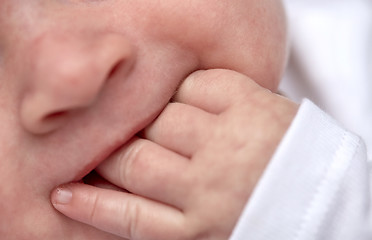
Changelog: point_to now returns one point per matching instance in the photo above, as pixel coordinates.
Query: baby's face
(78, 78)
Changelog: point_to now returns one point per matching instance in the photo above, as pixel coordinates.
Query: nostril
(52, 121)
(55, 115)
(44, 125)
(114, 69)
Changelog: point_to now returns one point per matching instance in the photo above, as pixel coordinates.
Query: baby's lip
(97, 160)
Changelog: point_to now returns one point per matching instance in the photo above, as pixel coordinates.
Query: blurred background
(330, 61)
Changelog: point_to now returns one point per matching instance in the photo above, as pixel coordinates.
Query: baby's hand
(195, 167)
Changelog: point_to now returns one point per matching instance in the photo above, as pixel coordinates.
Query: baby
(79, 79)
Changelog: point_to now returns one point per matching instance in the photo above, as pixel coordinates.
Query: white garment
(331, 60)
(314, 189)
(318, 184)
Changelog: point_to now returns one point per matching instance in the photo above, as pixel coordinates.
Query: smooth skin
(79, 78)
(193, 170)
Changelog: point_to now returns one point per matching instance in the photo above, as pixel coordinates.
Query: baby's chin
(55, 226)
(28, 215)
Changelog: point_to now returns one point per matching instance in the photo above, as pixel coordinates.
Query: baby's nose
(68, 73)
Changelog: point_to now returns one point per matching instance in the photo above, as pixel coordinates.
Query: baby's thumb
(88, 204)
(120, 213)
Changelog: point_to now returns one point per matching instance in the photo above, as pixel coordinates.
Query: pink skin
(80, 78)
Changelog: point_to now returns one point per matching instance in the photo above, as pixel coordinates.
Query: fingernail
(62, 196)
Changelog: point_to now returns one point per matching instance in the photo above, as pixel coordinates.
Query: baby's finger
(147, 169)
(120, 213)
(181, 128)
(215, 90)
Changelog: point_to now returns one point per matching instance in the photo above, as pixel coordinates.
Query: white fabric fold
(317, 185)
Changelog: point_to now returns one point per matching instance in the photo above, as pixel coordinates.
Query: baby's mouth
(87, 174)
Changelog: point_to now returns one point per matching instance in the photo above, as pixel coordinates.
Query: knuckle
(234, 83)
(131, 220)
(94, 209)
(168, 114)
(132, 163)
